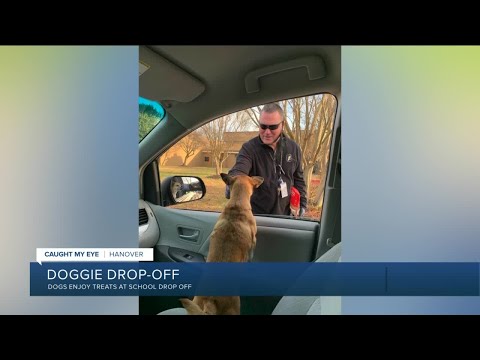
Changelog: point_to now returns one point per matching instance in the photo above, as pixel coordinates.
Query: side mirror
(182, 189)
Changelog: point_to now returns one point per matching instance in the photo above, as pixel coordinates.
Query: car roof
(197, 84)
(209, 81)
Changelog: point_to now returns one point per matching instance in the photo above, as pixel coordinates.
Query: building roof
(238, 138)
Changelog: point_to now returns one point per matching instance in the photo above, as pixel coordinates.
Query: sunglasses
(271, 127)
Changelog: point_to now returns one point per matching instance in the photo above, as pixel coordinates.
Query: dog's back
(233, 240)
(212, 305)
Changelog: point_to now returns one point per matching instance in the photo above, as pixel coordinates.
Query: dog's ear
(257, 181)
(227, 179)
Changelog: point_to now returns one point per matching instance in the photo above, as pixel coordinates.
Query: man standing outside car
(277, 159)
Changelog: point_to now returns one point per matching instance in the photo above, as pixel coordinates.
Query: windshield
(150, 113)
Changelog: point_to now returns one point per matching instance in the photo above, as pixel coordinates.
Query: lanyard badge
(282, 188)
(282, 185)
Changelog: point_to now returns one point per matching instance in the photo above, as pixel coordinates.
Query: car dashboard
(148, 230)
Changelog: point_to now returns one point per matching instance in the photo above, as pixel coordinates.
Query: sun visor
(163, 80)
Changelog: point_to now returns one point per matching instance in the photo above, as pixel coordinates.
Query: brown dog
(233, 240)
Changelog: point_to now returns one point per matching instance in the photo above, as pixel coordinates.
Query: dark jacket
(257, 159)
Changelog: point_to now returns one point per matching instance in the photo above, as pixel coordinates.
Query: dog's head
(242, 183)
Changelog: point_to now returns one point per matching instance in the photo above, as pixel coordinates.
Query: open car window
(213, 148)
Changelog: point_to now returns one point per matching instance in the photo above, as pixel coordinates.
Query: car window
(214, 147)
(149, 115)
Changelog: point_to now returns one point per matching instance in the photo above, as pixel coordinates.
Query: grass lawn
(214, 199)
(187, 170)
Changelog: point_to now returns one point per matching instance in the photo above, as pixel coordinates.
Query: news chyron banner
(132, 272)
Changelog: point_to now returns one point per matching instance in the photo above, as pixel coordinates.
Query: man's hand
(301, 212)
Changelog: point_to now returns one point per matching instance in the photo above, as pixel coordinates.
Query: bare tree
(327, 111)
(254, 115)
(218, 144)
(189, 144)
(166, 155)
(309, 123)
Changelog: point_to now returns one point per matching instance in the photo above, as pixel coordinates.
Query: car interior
(198, 84)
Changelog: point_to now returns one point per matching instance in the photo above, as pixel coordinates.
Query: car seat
(300, 305)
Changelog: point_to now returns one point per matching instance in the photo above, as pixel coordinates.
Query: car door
(184, 234)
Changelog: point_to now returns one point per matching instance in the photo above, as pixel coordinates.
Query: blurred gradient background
(69, 158)
(411, 164)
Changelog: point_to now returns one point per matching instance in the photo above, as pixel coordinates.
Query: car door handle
(190, 237)
(193, 234)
